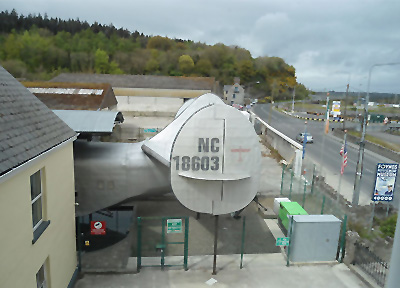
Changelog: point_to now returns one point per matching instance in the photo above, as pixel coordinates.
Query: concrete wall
(20, 259)
(153, 102)
(148, 106)
(289, 149)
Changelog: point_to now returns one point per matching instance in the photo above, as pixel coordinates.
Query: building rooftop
(141, 81)
(73, 96)
(27, 127)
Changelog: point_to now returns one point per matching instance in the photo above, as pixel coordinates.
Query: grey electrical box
(314, 238)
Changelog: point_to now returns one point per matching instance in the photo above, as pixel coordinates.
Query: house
(148, 95)
(37, 211)
(74, 96)
(234, 94)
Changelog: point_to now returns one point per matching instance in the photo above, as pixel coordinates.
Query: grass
(375, 140)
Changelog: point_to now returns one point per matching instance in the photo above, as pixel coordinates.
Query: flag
(343, 153)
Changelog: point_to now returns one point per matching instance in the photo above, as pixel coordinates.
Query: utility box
(277, 204)
(290, 208)
(314, 238)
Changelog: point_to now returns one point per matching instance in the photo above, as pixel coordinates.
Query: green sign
(174, 225)
(282, 241)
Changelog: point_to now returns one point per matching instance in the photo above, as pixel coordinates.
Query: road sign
(282, 241)
(174, 225)
(385, 181)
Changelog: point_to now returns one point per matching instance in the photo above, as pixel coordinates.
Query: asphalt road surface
(325, 152)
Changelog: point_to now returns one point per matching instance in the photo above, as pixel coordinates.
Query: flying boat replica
(208, 156)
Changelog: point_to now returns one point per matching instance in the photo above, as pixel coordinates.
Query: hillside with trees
(36, 47)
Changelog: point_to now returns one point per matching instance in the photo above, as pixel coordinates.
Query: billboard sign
(385, 181)
(335, 108)
(98, 227)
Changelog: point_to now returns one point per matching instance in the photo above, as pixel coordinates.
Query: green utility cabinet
(290, 208)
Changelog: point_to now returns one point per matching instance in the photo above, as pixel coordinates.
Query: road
(325, 152)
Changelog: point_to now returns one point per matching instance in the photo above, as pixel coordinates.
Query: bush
(388, 226)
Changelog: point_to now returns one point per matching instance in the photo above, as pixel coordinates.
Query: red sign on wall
(98, 227)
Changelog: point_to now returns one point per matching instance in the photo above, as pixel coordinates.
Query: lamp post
(359, 168)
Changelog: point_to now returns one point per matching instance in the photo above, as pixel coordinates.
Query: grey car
(300, 138)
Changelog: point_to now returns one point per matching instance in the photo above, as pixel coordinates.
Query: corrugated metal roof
(66, 91)
(73, 96)
(83, 121)
(27, 127)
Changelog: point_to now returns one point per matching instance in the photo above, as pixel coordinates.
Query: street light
(357, 181)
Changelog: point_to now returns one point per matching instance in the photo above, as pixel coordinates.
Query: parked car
(300, 138)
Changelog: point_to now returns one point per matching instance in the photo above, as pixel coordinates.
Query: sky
(330, 43)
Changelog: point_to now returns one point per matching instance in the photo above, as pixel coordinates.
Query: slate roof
(27, 127)
(142, 81)
(73, 96)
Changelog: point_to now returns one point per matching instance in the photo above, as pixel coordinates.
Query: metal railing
(370, 263)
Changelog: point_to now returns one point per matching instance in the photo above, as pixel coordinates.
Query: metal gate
(169, 225)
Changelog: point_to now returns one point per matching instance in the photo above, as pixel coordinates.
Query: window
(38, 223)
(236, 89)
(232, 102)
(233, 96)
(41, 277)
(36, 199)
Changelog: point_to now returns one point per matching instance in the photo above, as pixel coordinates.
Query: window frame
(43, 284)
(39, 197)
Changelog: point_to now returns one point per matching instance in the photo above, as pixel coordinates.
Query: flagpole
(341, 167)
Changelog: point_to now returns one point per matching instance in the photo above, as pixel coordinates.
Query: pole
(313, 180)
(371, 224)
(215, 245)
(290, 240)
(294, 89)
(341, 169)
(304, 139)
(345, 107)
(185, 248)
(393, 279)
(357, 181)
(327, 115)
(272, 102)
(242, 247)
(304, 193)
(291, 185)
(78, 226)
(283, 175)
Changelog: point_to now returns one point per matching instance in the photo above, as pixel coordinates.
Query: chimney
(236, 80)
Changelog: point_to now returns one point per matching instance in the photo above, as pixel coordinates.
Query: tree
(246, 70)
(186, 64)
(160, 43)
(203, 67)
(101, 61)
(152, 66)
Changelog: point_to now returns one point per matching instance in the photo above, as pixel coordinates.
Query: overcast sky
(329, 42)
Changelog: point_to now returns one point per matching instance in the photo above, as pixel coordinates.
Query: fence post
(283, 174)
(323, 204)
(291, 184)
(242, 247)
(343, 241)
(290, 241)
(139, 244)
(186, 249)
(304, 193)
(313, 180)
(163, 222)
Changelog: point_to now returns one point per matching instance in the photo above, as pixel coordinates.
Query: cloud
(326, 41)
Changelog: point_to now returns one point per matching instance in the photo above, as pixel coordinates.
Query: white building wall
(20, 259)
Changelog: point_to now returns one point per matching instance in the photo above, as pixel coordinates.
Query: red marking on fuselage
(240, 150)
